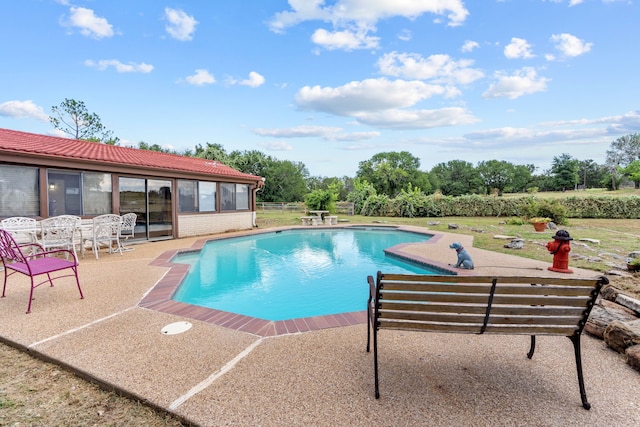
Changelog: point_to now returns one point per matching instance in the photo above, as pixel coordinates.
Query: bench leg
(368, 325)
(532, 349)
(575, 339)
(375, 361)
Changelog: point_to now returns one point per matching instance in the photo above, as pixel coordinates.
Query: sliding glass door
(150, 200)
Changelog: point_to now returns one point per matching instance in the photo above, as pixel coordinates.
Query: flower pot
(540, 226)
(633, 267)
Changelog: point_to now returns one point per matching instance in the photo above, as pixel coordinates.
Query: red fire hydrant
(560, 248)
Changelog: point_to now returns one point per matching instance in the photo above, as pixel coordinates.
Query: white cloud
(383, 103)
(23, 110)
(355, 136)
(89, 24)
(624, 124)
(405, 35)
(298, 131)
(507, 137)
(469, 45)
(523, 82)
(417, 119)
(254, 80)
(324, 132)
(276, 146)
(353, 20)
(343, 12)
(181, 26)
(570, 45)
(367, 95)
(439, 68)
(200, 78)
(120, 67)
(346, 40)
(518, 48)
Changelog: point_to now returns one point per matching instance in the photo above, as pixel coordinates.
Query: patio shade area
(211, 375)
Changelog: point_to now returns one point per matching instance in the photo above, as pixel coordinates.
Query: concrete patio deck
(212, 375)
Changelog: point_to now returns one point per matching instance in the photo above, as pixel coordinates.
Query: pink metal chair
(40, 262)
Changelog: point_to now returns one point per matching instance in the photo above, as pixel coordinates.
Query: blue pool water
(293, 273)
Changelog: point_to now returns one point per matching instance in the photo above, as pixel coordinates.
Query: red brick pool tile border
(159, 299)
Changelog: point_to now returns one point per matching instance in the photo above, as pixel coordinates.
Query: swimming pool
(293, 273)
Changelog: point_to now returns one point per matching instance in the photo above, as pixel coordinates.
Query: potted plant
(633, 264)
(539, 222)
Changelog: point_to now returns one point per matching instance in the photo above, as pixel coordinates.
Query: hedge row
(420, 205)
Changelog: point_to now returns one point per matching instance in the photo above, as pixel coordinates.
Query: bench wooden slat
(477, 318)
(480, 299)
(471, 328)
(476, 309)
(488, 279)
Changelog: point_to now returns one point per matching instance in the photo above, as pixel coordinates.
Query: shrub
(554, 210)
(515, 221)
(362, 190)
(377, 205)
(409, 203)
(321, 200)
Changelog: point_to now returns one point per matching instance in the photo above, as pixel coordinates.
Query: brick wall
(200, 225)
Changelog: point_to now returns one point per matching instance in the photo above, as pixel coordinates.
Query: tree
(455, 178)
(496, 174)
(73, 118)
(253, 162)
(632, 171)
(622, 151)
(212, 152)
(522, 177)
(591, 173)
(155, 147)
(390, 172)
(564, 169)
(284, 182)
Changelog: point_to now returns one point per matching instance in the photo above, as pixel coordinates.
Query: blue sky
(331, 83)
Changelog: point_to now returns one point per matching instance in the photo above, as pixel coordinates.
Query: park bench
(482, 305)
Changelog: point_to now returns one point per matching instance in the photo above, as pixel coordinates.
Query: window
(19, 191)
(187, 196)
(97, 190)
(234, 196)
(207, 196)
(78, 193)
(196, 196)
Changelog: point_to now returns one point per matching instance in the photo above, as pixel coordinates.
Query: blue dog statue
(464, 259)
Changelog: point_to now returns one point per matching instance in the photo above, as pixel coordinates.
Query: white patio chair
(127, 229)
(106, 232)
(22, 229)
(62, 231)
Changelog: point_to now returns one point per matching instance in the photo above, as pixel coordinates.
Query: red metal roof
(12, 141)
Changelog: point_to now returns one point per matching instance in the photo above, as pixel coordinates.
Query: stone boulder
(622, 335)
(515, 244)
(633, 356)
(609, 292)
(605, 312)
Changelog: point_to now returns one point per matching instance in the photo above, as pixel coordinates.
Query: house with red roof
(173, 196)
